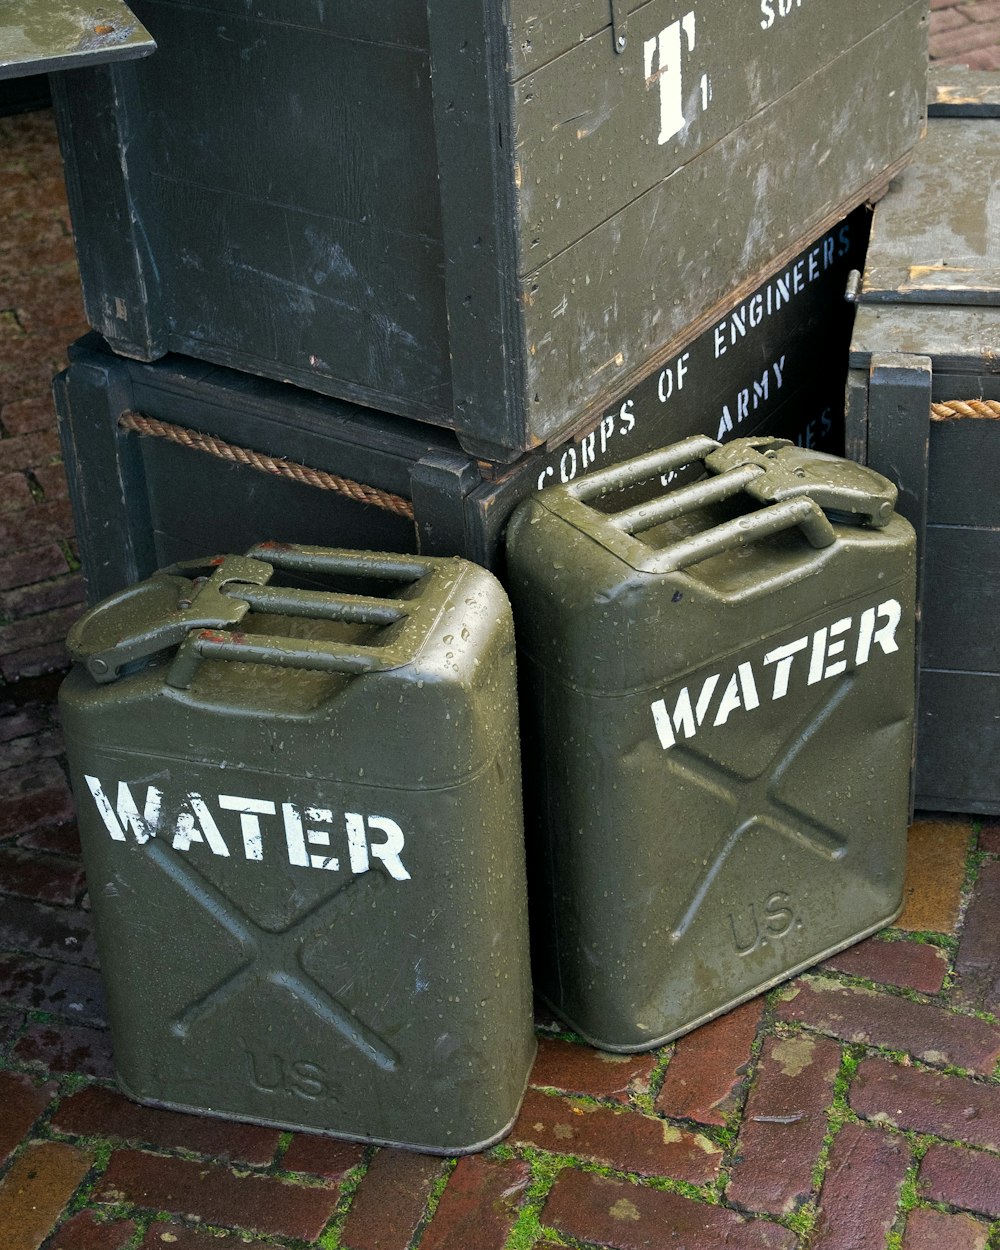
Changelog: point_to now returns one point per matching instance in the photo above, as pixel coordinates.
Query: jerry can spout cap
(845, 491)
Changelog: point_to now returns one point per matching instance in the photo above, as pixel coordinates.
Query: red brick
(934, 1230)
(171, 1236)
(928, 1102)
(479, 1205)
(626, 1140)
(34, 1192)
(47, 297)
(861, 1189)
(11, 1023)
(47, 878)
(945, 20)
(390, 1201)
(962, 1178)
(25, 451)
(52, 479)
(784, 1124)
(65, 839)
(23, 1101)
(959, 42)
(103, 1112)
(67, 1048)
(25, 566)
(612, 1213)
(34, 661)
(989, 837)
(30, 366)
(861, 1015)
(52, 932)
(33, 631)
(33, 795)
(43, 596)
(86, 1231)
(912, 965)
(978, 960)
(23, 722)
(216, 1195)
(707, 1067)
(29, 415)
(322, 1156)
(578, 1069)
(14, 491)
(57, 988)
(45, 745)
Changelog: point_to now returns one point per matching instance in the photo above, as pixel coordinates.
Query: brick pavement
(858, 1107)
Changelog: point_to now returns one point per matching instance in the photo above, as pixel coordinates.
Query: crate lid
(40, 36)
(936, 234)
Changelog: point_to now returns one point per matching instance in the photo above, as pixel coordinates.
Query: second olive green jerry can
(717, 690)
(298, 788)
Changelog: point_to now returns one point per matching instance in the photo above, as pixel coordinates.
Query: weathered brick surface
(911, 965)
(33, 795)
(88, 1231)
(321, 1156)
(961, 1178)
(168, 1235)
(48, 878)
(632, 1217)
(952, 1107)
(66, 1048)
(707, 1067)
(216, 1195)
(626, 1141)
(784, 1124)
(936, 1230)
(36, 1189)
(22, 1101)
(67, 990)
(978, 960)
(931, 1033)
(479, 1205)
(861, 1189)
(53, 932)
(391, 1200)
(989, 837)
(582, 1070)
(103, 1112)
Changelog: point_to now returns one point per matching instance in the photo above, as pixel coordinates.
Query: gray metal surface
(41, 36)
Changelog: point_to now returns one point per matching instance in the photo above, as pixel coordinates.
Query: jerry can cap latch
(193, 607)
(844, 490)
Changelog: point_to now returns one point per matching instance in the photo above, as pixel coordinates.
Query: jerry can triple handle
(804, 513)
(642, 468)
(279, 652)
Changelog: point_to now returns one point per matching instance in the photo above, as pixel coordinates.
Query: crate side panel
(599, 310)
(958, 742)
(596, 130)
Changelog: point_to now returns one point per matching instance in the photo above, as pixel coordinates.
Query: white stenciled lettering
(125, 815)
(826, 658)
(663, 57)
(197, 824)
(685, 718)
(298, 838)
(868, 635)
(772, 9)
(751, 398)
(250, 811)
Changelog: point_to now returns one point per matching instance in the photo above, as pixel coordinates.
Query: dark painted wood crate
(775, 362)
(927, 334)
(496, 218)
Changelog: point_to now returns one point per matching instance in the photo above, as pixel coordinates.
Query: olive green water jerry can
(717, 690)
(301, 821)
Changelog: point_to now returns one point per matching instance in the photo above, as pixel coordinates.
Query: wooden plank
(545, 29)
(964, 468)
(958, 742)
(954, 91)
(936, 236)
(601, 311)
(961, 602)
(958, 339)
(899, 399)
(595, 130)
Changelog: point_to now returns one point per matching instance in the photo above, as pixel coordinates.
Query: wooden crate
(928, 334)
(495, 218)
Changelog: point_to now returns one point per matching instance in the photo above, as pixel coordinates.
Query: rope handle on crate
(358, 491)
(985, 409)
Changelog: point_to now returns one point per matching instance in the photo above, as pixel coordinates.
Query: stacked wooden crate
(495, 243)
